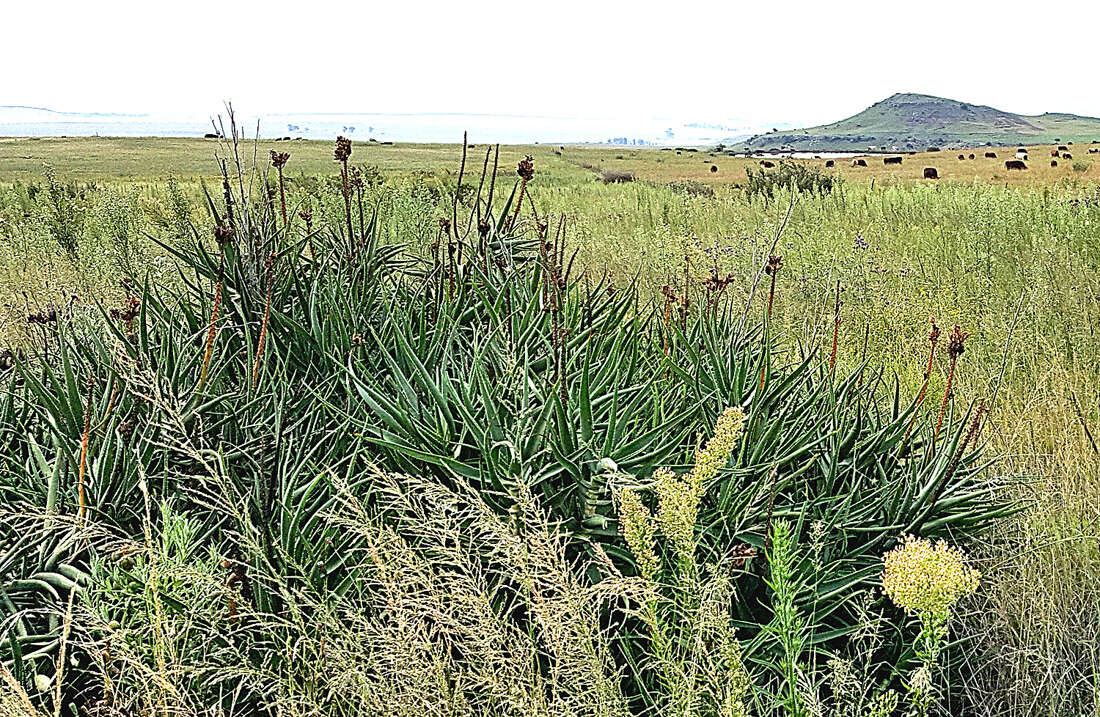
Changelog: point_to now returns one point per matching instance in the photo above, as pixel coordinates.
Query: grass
(1011, 258)
(143, 159)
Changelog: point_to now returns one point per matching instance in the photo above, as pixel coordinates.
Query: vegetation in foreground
(221, 463)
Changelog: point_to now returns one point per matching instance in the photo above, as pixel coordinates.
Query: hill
(913, 122)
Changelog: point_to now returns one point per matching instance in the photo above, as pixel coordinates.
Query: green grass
(1016, 267)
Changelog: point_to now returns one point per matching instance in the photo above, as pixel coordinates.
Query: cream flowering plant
(692, 643)
(927, 579)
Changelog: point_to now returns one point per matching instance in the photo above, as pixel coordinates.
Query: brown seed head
(223, 234)
(343, 149)
(955, 348)
(279, 159)
(356, 178)
(934, 334)
(526, 168)
(775, 263)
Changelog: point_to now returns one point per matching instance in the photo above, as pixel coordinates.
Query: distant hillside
(915, 122)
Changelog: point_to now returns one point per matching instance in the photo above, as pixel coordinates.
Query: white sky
(801, 62)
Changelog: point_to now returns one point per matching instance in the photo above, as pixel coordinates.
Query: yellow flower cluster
(677, 507)
(927, 578)
(727, 429)
(637, 526)
(678, 498)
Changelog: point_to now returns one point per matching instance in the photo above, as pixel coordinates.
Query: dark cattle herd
(1017, 164)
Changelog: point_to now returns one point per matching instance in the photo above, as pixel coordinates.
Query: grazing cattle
(1054, 162)
(962, 157)
(211, 135)
(991, 155)
(1053, 153)
(1015, 164)
(971, 155)
(1067, 155)
(891, 160)
(1093, 150)
(714, 168)
(1021, 155)
(1062, 148)
(766, 164)
(859, 162)
(931, 173)
(829, 163)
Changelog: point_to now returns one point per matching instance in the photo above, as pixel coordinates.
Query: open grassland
(1010, 257)
(110, 159)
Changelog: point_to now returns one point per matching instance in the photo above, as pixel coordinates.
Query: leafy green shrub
(787, 175)
(1080, 166)
(64, 212)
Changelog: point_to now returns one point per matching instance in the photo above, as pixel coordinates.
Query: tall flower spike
(708, 461)
(638, 531)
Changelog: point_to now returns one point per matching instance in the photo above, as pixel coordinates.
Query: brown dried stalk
(836, 329)
(341, 154)
(933, 338)
(279, 160)
(955, 348)
(971, 435)
(210, 335)
(84, 453)
(775, 263)
(269, 266)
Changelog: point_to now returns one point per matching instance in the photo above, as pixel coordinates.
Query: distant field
(104, 159)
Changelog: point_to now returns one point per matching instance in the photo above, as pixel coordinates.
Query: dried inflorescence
(956, 343)
(775, 263)
(43, 316)
(279, 159)
(342, 152)
(526, 168)
(223, 234)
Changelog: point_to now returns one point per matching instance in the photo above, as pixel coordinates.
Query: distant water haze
(426, 127)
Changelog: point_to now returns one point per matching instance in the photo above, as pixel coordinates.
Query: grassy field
(137, 159)
(1010, 257)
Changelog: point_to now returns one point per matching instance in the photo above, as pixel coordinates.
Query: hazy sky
(761, 61)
